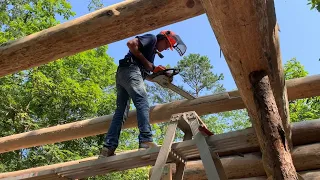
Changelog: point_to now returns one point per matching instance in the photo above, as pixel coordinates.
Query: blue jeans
(129, 83)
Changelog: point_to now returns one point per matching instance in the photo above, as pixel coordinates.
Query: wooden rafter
(305, 158)
(233, 165)
(105, 26)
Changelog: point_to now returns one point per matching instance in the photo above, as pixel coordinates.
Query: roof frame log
(104, 26)
(247, 34)
(297, 88)
(233, 165)
(309, 174)
(302, 155)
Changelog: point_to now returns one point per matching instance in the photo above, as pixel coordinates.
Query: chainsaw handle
(163, 72)
(175, 71)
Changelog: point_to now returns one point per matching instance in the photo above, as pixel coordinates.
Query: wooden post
(270, 131)
(245, 31)
(276, 74)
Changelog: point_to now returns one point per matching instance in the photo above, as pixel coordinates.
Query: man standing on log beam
(130, 76)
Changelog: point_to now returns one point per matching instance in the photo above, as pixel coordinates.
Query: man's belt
(127, 62)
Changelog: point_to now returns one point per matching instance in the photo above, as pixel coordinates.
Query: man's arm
(133, 45)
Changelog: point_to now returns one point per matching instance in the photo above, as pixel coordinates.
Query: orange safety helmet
(175, 41)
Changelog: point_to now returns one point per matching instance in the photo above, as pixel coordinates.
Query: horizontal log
(104, 26)
(307, 175)
(306, 157)
(245, 141)
(302, 88)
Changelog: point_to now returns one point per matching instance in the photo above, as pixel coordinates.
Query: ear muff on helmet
(160, 37)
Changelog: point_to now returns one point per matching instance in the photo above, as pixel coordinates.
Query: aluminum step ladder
(193, 127)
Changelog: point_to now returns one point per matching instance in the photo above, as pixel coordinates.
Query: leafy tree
(66, 90)
(301, 109)
(95, 5)
(196, 71)
(294, 69)
(23, 17)
(315, 4)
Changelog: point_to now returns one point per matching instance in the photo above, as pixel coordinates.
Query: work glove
(159, 68)
(162, 68)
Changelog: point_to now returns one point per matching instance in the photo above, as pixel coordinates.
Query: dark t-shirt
(147, 48)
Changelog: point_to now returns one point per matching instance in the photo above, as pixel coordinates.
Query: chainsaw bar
(180, 91)
(165, 82)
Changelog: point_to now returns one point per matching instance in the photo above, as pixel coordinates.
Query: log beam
(245, 31)
(307, 175)
(297, 88)
(104, 26)
(304, 158)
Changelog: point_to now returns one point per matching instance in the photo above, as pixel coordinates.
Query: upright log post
(269, 128)
(245, 31)
(276, 73)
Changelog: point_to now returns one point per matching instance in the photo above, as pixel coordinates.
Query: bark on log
(104, 26)
(270, 131)
(297, 88)
(305, 158)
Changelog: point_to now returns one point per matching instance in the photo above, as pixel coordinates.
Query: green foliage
(315, 4)
(196, 71)
(66, 90)
(301, 109)
(234, 120)
(75, 88)
(132, 174)
(294, 69)
(95, 5)
(23, 17)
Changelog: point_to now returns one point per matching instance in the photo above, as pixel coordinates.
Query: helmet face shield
(180, 47)
(175, 42)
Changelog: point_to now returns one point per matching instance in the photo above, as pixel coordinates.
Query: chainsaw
(164, 79)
